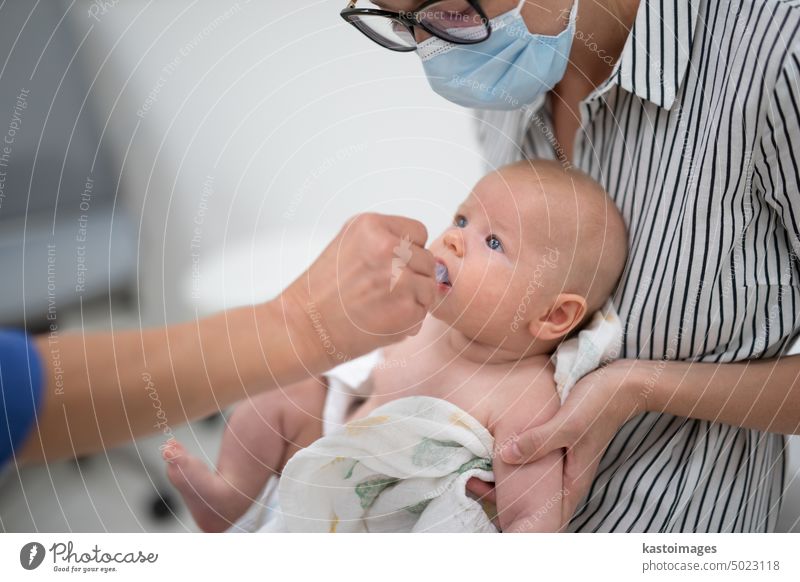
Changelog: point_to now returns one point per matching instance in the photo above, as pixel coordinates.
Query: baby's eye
(460, 221)
(494, 243)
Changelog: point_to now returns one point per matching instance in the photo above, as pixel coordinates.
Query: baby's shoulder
(528, 391)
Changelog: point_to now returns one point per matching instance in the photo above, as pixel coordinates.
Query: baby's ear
(567, 312)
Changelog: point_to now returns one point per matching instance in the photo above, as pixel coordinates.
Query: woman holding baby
(692, 126)
(683, 432)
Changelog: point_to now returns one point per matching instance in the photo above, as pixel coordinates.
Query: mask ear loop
(433, 46)
(573, 14)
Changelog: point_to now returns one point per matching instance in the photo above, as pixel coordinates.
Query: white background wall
(296, 119)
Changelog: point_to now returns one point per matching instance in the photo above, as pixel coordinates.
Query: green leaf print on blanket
(476, 463)
(418, 508)
(369, 490)
(431, 452)
(350, 470)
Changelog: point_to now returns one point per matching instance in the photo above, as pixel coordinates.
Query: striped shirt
(695, 135)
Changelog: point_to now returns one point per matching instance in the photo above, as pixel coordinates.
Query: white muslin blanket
(403, 468)
(386, 451)
(598, 342)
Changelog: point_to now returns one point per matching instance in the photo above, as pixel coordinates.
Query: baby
(531, 254)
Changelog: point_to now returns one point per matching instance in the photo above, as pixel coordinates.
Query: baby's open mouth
(442, 275)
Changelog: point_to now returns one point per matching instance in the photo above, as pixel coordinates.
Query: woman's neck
(601, 32)
(602, 28)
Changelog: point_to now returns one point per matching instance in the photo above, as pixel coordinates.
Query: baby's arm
(529, 497)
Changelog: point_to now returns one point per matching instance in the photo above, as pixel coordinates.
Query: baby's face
(502, 267)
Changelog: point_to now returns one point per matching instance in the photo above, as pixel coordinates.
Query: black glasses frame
(409, 20)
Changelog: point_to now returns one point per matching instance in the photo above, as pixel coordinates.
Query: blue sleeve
(20, 390)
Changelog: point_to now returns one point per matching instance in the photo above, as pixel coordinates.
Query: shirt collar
(656, 55)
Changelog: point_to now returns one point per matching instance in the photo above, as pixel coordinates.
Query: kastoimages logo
(31, 555)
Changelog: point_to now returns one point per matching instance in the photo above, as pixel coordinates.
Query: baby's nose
(454, 241)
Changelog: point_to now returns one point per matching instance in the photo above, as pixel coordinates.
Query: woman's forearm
(102, 389)
(759, 394)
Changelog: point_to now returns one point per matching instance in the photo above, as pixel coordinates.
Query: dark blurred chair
(61, 236)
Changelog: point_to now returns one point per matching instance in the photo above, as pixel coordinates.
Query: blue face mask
(509, 70)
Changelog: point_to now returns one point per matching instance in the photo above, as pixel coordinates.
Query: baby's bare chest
(480, 390)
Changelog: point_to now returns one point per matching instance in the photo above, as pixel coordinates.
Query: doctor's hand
(372, 286)
(595, 409)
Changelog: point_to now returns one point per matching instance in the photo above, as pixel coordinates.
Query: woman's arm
(102, 389)
(759, 394)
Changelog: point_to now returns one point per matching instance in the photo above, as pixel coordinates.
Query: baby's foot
(211, 500)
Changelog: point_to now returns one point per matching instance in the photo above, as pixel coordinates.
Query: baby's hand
(482, 490)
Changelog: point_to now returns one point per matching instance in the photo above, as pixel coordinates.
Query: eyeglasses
(456, 21)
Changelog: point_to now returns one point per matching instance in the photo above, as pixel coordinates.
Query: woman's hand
(372, 286)
(598, 405)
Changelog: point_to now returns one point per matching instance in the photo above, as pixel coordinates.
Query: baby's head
(533, 252)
